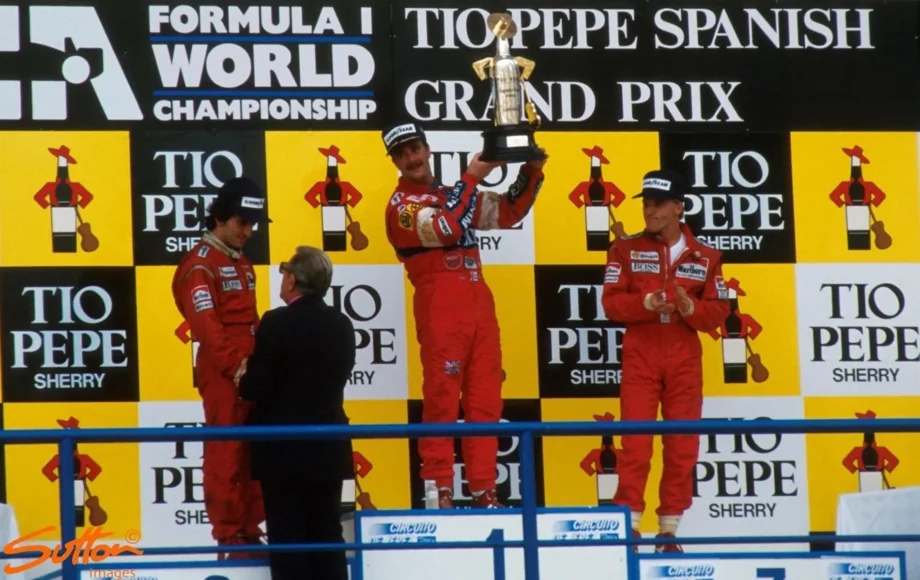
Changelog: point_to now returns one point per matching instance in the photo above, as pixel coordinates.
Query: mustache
(414, 166)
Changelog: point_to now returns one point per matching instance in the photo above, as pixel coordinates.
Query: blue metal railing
(526, 431)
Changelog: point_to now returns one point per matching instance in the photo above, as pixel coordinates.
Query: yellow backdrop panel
(117, 485)
(827, 476)
(294, 167)
(385, 472)
(99, 163)
(821, 169)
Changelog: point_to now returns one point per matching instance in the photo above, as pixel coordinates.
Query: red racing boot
(241, 540)
(445, 498)
(487, 499)
(637, 535)
(668, 548)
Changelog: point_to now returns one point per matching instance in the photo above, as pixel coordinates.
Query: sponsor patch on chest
(251, 280)
(231, 285)
(228, 271)
(644, 256)
(612, 274)
(645, 268)
(691, 272)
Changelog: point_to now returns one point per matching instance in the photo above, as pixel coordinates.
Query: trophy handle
(480, 67)
(530, 109)
(527, 66)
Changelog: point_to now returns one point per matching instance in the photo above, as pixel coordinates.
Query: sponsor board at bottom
(774, 566)
(602, 524)
(253, 570)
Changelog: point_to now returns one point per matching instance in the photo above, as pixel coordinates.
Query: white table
(892, 511)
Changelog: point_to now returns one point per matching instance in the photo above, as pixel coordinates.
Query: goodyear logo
(694, 572)
(854, 571)
(586, 530)
(404, 533)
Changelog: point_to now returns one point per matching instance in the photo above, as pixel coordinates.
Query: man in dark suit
(304, 354)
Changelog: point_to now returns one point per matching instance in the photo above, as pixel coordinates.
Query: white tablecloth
(9, 531)
(892, 511)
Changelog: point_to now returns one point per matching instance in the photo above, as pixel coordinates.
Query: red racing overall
(214, 289)
(662, 356)
(431, 229)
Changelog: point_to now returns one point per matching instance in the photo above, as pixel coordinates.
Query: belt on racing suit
(443, 266)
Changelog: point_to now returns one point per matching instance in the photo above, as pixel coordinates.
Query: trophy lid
(502, 25)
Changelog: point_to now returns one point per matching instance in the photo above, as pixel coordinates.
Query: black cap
(663, 184)
(398, 133)
(246, 199)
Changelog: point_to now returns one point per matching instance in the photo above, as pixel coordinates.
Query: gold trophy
(510, 139)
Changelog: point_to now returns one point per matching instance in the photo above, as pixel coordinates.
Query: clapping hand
(659, 304)
(684, 303)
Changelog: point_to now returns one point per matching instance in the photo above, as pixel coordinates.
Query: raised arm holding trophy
(510, 139)
(434, 236)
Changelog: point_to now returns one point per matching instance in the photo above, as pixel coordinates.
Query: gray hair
(312, 270)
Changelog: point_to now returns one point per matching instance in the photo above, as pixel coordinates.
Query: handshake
(657, 301)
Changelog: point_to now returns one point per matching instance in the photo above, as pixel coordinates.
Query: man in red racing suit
(214, 290)
(430, 226)
(666, 287)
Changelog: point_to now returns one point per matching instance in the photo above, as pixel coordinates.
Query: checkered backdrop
(814, 207)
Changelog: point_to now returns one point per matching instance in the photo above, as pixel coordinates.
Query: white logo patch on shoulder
(612, 275)
(201, 298)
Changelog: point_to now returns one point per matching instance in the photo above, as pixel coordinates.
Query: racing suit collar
(209, 238)
(692, 244)
(412, 187)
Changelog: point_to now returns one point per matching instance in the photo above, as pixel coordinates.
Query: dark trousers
(304, 512)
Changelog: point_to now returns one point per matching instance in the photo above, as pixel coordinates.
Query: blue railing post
(529, 507)
(66, 468)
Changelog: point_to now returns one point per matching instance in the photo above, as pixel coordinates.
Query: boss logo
(645, 268)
